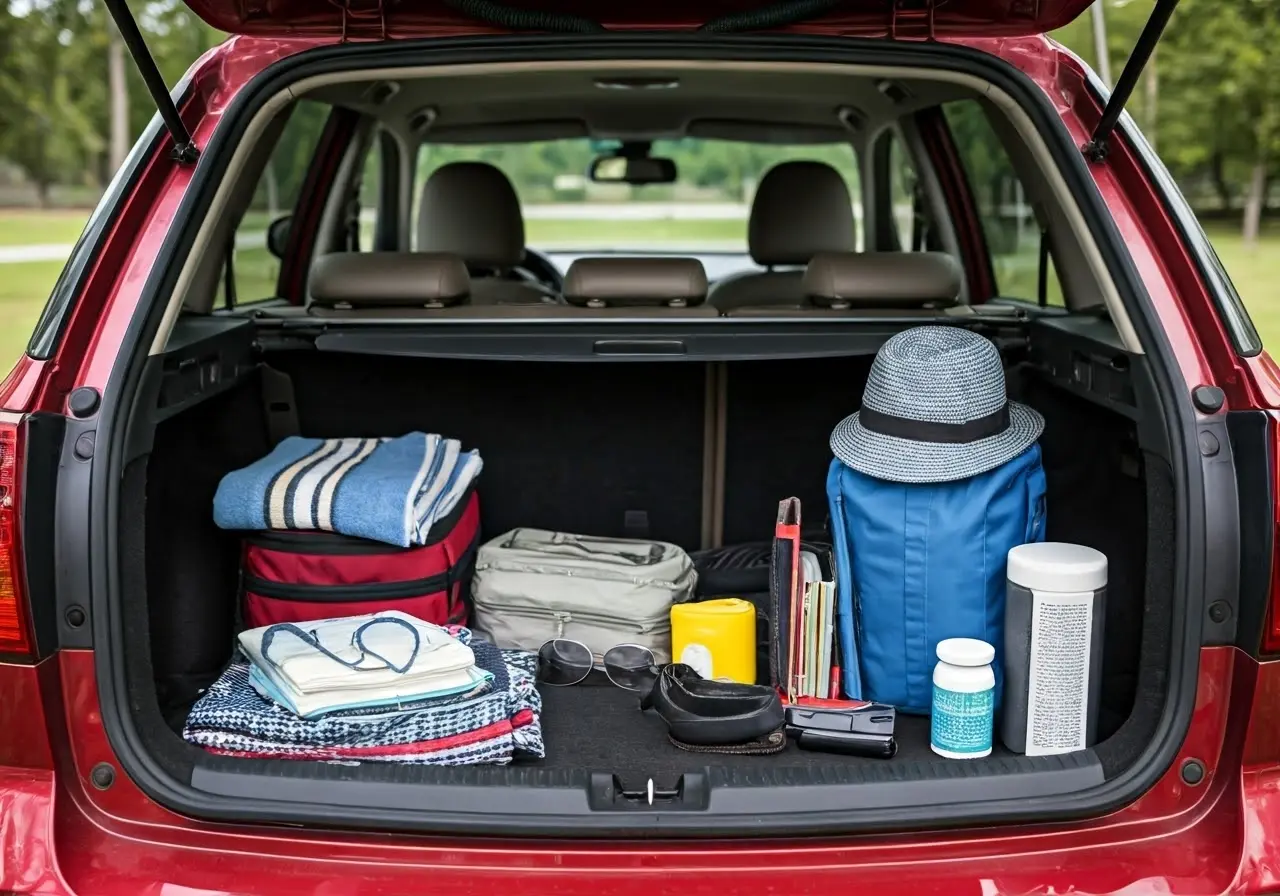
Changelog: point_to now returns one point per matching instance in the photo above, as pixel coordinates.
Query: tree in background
(49, 132)
(1228, 119)
(56, 95)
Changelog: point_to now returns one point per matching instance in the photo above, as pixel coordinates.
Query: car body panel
(63, 834)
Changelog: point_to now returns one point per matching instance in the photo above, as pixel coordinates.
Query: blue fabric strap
(357, 641)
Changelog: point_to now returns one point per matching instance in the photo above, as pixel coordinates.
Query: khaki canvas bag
(532, 585)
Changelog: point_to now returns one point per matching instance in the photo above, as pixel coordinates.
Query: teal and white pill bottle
(964, 690)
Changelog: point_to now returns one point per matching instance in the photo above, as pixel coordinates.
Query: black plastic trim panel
(722, 340)
(1169, 403)
(72, 514)
(40, 490)
(204, 356)
(1084, 356)
(1222, 521)
(1255, 493)
(724, 800)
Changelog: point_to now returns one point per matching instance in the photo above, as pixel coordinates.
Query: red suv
(263, 264)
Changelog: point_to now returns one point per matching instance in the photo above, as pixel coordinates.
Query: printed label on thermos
(1058, 675)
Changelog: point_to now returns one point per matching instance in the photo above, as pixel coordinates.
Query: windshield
(704, 211)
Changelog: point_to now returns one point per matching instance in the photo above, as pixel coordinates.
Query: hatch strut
(184, 148)
(1096, 149)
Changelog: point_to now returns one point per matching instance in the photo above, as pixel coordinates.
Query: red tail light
(15, 635)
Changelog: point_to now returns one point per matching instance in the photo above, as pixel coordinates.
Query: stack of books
(814, 668)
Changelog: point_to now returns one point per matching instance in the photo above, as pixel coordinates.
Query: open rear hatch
(380, 19)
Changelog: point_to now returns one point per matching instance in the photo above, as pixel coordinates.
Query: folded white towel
(359, 658)
(390, 697)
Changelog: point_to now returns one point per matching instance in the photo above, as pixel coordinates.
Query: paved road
(60, 251)
(38, 252)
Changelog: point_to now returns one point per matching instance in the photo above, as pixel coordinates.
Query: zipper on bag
(561, 618)
(338, 593)
(407, 588)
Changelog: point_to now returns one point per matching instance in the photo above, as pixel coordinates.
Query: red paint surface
(418, 18)
(60, 834)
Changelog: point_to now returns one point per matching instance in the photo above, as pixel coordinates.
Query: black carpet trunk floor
(598, 727)
(601, 728)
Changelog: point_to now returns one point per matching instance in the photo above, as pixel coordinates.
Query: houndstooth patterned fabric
(941, 375)
(499, 724)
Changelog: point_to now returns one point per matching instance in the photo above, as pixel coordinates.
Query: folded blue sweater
(389, 490)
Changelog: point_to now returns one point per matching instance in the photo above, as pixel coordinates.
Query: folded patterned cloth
(493, 727)
(358, 662)
(389, 490)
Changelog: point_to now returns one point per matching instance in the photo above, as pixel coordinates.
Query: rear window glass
(704, 210)
(255, 269)
(1009, 224)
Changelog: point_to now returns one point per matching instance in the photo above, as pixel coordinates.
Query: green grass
(257, 271)
(1256, 275)
(25, 287)
(592, 234)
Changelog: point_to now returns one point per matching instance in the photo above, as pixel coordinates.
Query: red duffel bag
(303, 576)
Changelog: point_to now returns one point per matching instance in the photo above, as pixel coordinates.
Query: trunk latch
(691, 793)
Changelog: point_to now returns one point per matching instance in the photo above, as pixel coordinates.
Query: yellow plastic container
(717, 638)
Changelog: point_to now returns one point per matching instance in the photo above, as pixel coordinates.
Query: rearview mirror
(278, 235)
(637, 171)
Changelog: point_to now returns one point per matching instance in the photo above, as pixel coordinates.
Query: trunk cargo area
(586, 448)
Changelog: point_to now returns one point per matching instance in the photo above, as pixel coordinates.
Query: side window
(905, 222)
(254, 268)
(1009, 224)
(371, 219)
(903, 187)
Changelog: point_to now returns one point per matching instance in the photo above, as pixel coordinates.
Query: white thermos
(1053, 625)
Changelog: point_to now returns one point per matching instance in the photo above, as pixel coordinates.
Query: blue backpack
(918, 563)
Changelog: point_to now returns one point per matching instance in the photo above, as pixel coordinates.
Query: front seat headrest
(635, 282)
(388, 280)
(882, 279)
(800, 209)
(471, 210)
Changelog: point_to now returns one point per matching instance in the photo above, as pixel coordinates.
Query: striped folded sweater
(388, 490)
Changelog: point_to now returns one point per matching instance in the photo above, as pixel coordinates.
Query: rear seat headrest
(621, 282)
(389, 279)
(471, 209)
(800, 208)
(882, 279)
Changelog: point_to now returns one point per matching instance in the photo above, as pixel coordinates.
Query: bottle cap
(965, 652)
